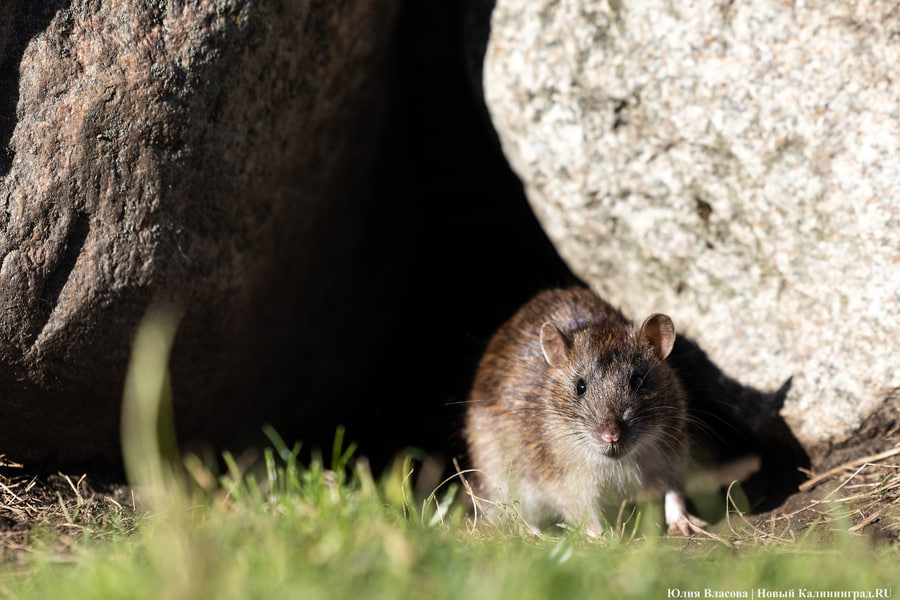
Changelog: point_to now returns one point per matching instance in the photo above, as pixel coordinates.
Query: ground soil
(861, 494)
(38, 502)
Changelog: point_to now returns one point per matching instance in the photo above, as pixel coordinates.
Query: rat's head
(612, 386)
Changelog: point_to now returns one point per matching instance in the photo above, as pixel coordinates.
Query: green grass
(329, 529)
(315, 532)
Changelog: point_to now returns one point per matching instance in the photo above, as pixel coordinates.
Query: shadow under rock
(730, 421)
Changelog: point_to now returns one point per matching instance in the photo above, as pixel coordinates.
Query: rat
(573, 410)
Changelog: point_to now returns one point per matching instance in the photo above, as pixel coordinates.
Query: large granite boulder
(734, 164)
(214, 154)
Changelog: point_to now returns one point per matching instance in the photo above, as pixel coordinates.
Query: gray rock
(210, 153)
(734, 164)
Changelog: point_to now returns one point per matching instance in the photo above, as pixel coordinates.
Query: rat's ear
(659, 332)
(554, 345)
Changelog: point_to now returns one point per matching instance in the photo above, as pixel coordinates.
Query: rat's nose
(609, 434)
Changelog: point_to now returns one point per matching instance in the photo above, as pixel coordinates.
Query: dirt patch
(35, 502)
(860, 494)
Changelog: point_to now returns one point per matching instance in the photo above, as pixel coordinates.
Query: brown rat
(573, 409)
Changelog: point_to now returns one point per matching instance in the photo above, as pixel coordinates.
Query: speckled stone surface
(734, 164)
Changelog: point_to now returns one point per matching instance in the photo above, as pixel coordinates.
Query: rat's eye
(637, 378)
(580, 387)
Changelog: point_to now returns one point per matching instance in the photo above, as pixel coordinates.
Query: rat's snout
(609, 432)
(609, 435)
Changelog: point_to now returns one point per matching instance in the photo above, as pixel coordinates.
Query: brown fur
(557, 454)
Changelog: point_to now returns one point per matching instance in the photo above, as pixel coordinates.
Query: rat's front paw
(685, 524)
(677, 517)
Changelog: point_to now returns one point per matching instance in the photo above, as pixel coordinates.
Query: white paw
(677, 517)
(685, 524)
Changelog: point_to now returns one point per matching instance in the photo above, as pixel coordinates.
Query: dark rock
(214, 154)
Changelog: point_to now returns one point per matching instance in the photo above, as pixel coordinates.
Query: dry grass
(860, 495)
(871, 486)
(63, 506)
